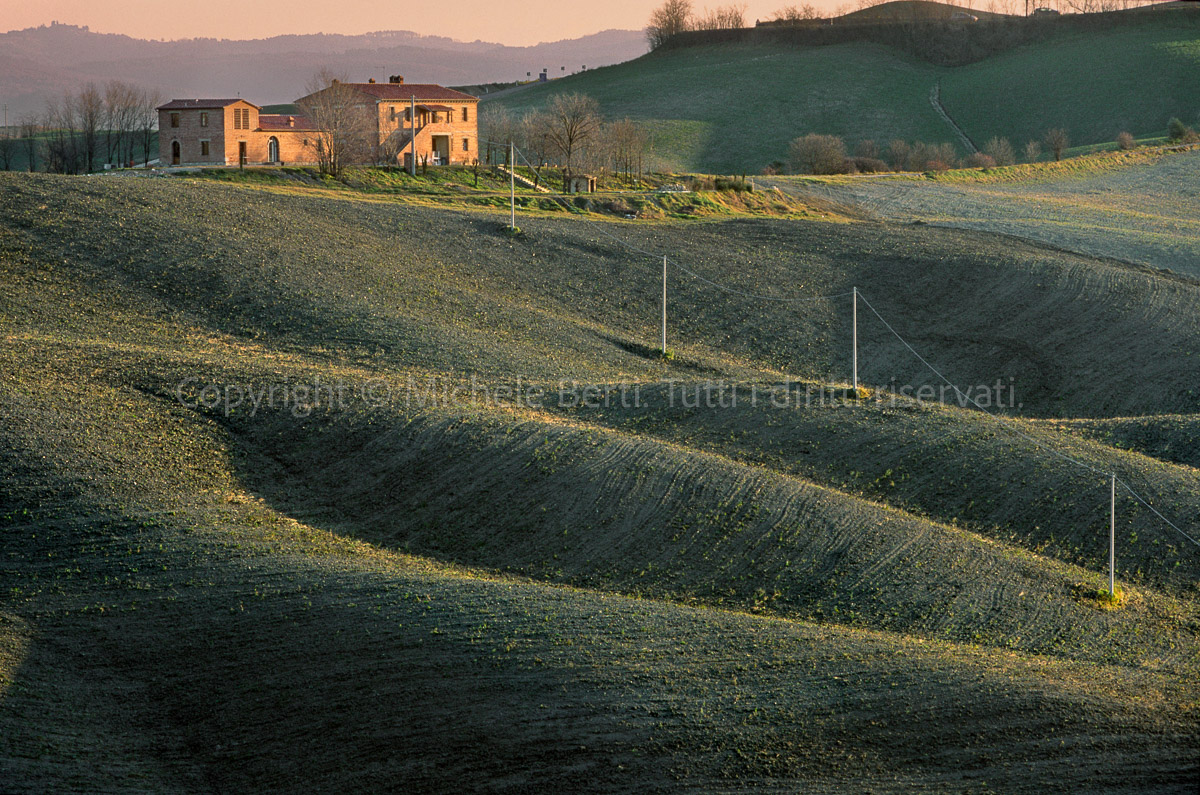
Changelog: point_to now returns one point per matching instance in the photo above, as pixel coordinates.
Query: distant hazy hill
(37, 63)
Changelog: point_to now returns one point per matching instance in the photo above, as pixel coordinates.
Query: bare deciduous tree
(30, 127)
(498, 128)
(796, 14)
(866, 148)
(1000, 151)
(979, 160)
(63, 155)
(817, 154)
(120, 120)
(1033, 151)
(340, 121)
(1104, 6)
(146, 120)
(722, 18)
(628, 140)
(572, 121)
(935, 157)
(8, 151)
(1057, 140)
(898, 153)
(673, 16)
(534, 134)
(90, 109)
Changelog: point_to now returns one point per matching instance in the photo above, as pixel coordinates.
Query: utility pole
(1112, 541)
(854, 342)
(412, 144)
(512, 183)
(664, 309)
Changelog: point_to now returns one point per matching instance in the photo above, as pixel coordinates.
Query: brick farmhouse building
(233, 131)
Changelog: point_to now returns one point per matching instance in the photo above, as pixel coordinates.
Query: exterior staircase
(506, 171)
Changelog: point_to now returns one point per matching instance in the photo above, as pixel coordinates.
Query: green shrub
(731, 184)
(1176, 130)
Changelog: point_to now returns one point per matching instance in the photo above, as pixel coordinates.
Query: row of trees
(1009, 7)
(827, 154)
(81, 130)
(796, 14)
(570, 133)
(677, 16)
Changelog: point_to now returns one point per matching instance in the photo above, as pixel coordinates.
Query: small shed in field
(582, 183)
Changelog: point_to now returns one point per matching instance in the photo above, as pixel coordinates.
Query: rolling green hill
(355, 580)
(729, 108)
(733, 108)
(1094, 85)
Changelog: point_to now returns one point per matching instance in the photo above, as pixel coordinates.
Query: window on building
(436, 117)
(393, 113)
(464, 114)
(203, 119)
(408, 114)
(204, 148)
(174, 119)
(466, 145)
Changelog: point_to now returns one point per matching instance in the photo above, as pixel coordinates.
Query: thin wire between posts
(1155, 511)
(658, 255)
(859, 295)
(1012, 428)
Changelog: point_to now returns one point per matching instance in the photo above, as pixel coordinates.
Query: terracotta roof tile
(422, 91)
(279, 121)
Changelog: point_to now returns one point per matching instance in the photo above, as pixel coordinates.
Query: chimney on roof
(397, 80)
(371, 80)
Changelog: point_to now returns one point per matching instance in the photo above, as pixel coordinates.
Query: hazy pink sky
(516, 22)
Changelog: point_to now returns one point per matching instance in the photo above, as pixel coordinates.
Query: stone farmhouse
(447, 121)
(198, 132)
(230, 132)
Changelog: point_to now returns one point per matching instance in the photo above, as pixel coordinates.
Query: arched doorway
(273, 149)
(174, 153)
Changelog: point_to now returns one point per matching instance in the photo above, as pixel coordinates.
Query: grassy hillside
(1139, 207)
(1096, 85)
(734, 107)
(480, 595)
